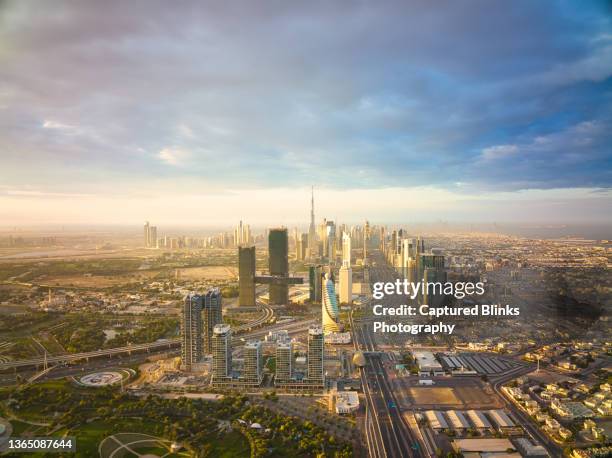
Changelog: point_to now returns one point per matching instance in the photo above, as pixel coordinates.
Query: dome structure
(359, 359)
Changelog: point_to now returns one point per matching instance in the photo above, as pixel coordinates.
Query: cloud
(579, 153)
(498, 151)
(48, 124)
(377, 96)
(173, 156)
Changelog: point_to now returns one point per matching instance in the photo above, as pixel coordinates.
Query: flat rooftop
(426, 359)
(482, 445)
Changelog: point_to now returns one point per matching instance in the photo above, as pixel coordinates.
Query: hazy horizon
(525, 229)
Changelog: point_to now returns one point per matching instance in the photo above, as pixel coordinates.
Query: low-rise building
(346, 401)
(482, 446)
(529, 450)
(571, 410)
(427, 363)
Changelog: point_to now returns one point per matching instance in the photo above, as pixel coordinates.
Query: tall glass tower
(278, 259)
(329, 305)
(246, 276)
(191, 331)
(211, 314)
(316, 349)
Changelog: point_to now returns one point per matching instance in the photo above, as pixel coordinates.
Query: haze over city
(306, 229)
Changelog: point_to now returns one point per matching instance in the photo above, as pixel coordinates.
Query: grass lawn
(233, 445)
(89, 436)
(20, 428)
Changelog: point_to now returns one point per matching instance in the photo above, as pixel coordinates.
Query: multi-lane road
(387, 431)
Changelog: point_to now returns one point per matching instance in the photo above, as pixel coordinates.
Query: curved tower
(329, 305)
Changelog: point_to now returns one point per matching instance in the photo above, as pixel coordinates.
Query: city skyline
(322, 229)
(374, 109)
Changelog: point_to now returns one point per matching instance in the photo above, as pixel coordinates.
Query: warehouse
(436, 420)
(500, 418)
(457, 420)
(478, 419)
(492, 446)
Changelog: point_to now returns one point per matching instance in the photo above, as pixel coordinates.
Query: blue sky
(478, 110)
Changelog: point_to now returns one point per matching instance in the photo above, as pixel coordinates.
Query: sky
(210, 112)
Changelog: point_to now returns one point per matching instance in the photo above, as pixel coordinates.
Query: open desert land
(209, 273)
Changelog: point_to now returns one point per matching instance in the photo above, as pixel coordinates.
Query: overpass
(158, 345)
(265, 317)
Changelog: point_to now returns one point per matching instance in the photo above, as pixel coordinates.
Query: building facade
(222, 354)
(211, 315)
(284, 362)
(278, 263)
(246, 276)
(316, 352)
(191, 331)
(252, 373)
(329, 305)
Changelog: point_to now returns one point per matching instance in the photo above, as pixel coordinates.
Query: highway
(384, 273)
(266, 316)
(387, 431)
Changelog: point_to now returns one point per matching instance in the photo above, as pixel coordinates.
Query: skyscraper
(212, 314)
(346, 284)
(147, 235)
(410, 270)
(246, 237)
(366, 238)
(429, 261)
(329, 305)
(407, 254)
(346, 249)
(252, 373)
(315, 274)
(302, 247)
(153, 237)
(278, 260)
(296, 243)
(242, 234)
(316, 350)
(222, 353)
(284, 362)
(246, 276)
(191, 331)
(330, 242)
(312, 232)
(433, 294)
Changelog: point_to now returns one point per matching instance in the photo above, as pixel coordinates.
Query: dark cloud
(366, 94)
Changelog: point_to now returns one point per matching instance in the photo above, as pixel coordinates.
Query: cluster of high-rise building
(150, 236)
(321, 246)
(277, 278)
(410, 259)
(242, 234)
(200, 314)
(251, 376)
